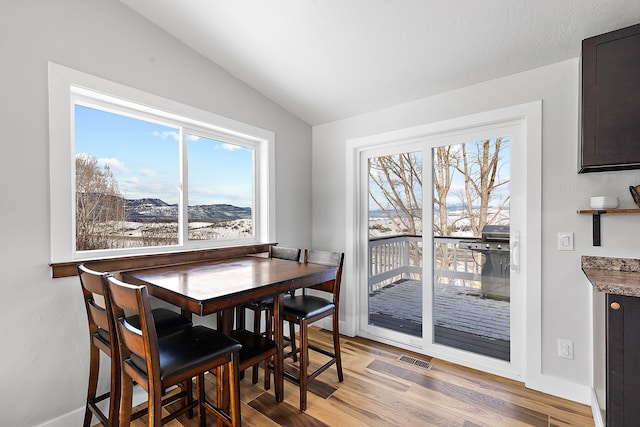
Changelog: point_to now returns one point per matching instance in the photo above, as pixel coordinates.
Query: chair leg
(115, 392)
(257, 314)
(269, 335)
(126, 396)
(234, 391)
(189, 397)
(219, 388)
(94, 371)
(267, 374)
(336, 346)
(292, 334)
(200, 395)
(155, 405)
(304, 364)
(240, 319)
(268, 327)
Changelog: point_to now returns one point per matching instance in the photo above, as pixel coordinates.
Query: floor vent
(415, 362)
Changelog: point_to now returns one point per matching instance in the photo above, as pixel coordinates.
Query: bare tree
(397, 189)
(480, 168)
(397, 186)
(100, 207)
(445, 163)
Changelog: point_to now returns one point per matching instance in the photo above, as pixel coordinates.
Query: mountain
(156, 210)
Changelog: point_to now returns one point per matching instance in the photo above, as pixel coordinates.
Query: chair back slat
(98, 315)
(132, 338)
(290, 254)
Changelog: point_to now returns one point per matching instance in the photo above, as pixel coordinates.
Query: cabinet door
(611, 101)
(623, 360)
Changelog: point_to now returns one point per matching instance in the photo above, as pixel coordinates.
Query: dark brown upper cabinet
(611, 101)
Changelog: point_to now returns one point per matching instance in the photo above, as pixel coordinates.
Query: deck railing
(395, 258)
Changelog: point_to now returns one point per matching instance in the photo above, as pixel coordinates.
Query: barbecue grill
(492, 251)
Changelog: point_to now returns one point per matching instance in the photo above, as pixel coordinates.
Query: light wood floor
(380, 390)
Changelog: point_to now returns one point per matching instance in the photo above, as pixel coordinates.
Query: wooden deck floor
(380, 390)
(462, 319)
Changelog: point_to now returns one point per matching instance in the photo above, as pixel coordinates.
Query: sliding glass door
(441, 226)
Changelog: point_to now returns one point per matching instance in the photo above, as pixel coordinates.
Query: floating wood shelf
(608, 211)
(596, 219)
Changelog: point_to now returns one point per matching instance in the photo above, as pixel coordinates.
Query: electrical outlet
(565, 349)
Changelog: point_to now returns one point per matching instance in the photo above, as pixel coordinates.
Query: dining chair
(258, 307)
(102, 337)
(304, 309)
(157, 364)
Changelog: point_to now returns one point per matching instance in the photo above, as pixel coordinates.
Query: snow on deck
(455, 307)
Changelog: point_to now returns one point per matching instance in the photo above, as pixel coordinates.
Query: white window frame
(68, 86)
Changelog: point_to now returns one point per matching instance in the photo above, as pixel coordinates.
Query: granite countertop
(620, 276)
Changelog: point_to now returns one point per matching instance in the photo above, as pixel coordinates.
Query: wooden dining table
(218, 286)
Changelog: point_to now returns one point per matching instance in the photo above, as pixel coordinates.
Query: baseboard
(595, 409)
(73, 418)
(327, 323)
(76, 417)
(561, 388)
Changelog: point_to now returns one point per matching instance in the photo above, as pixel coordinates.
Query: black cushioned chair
(102, 335)
(303, 309)
(156, 364)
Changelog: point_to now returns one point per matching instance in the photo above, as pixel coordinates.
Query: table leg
(278, 333)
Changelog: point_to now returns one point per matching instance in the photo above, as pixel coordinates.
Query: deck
(462, 318)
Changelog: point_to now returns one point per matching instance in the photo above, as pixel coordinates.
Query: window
(133, 173)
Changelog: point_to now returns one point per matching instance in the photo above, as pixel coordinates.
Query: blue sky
(143, 157)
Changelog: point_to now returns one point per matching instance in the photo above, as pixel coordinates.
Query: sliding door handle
(515, 251)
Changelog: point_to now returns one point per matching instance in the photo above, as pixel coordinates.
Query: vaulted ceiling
(325, 60)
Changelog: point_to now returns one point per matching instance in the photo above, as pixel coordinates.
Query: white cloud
(166, 134)
(113, 163)
(174, 135)
(150, 173)
(230, 147)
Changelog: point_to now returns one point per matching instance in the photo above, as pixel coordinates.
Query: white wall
(566, 293)
(44, 355)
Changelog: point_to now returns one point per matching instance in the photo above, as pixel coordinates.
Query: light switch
(565, 241)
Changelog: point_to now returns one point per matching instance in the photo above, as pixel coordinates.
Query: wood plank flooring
(380, 390)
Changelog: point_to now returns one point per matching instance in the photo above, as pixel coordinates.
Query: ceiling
(325, 60)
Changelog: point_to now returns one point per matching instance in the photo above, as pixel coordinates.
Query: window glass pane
(220, 192)
(126, 181)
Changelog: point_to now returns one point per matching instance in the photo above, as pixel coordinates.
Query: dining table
(219, 286)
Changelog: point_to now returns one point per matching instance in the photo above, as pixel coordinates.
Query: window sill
(68, 269)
